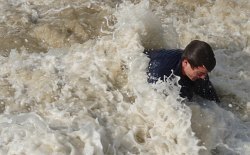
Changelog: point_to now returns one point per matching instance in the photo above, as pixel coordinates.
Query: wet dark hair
(199, 53)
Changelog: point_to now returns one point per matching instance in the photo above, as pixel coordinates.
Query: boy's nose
(202, 76)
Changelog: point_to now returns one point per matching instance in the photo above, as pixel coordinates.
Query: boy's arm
(205, 89)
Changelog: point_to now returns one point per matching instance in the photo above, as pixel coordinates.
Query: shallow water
(73, 77)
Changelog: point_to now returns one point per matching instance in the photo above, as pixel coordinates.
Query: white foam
(93, 98)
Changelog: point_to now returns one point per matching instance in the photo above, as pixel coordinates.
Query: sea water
(73, 78)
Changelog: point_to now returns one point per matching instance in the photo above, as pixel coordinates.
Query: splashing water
(73, 78)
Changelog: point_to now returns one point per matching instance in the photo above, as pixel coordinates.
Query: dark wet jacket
(163, 62)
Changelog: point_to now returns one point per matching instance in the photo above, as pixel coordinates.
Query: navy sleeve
(186, 92)
(186, 88)
(205, 89)
(161, 64)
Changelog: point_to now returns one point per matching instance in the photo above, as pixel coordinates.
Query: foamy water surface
(73, 78)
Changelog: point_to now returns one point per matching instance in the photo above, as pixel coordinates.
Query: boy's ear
(184, 62)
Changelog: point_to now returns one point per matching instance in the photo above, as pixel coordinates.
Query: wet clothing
(165, 62)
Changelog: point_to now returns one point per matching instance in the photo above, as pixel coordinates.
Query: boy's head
(197, 60)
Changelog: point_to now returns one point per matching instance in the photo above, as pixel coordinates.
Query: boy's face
(193, 73)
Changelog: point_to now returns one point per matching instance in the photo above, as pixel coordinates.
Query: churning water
(73, 78)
